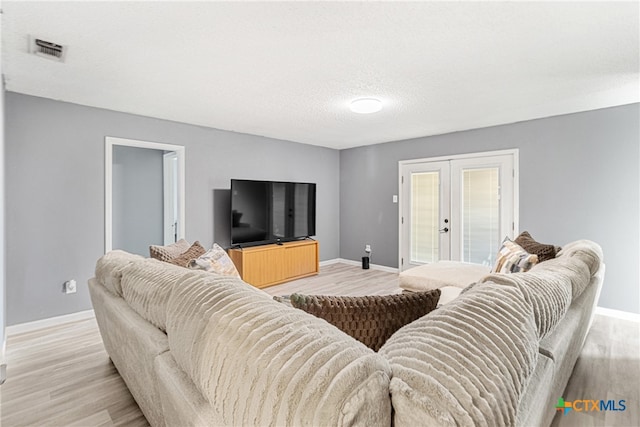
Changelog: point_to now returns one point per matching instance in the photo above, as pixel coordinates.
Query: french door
(456, 209)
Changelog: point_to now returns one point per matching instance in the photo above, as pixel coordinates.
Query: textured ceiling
(289, 70)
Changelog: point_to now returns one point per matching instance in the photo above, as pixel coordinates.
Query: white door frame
(516, 179)
(108, 182)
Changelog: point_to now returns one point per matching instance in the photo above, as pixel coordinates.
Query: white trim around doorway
(110, 142)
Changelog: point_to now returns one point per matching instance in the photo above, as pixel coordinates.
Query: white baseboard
(618, 314)
(358, 264)
(51, 321)
(329, 262)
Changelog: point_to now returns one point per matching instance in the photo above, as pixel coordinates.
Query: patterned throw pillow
(544, 252)
(185, 258)
(369, 319)
(513, 259)
(215, 260)
(165, 253)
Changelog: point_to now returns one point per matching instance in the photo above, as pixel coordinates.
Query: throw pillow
(215, 260)
(369, 319)
(544, 252)
(165, 253)
(185, 258)
(513, 259)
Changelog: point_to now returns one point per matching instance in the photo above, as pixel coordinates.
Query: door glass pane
(425, 208)
(480, 215)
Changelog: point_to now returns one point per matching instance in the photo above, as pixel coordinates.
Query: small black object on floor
(365, 262)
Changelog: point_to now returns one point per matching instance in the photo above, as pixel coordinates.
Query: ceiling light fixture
(366, 105)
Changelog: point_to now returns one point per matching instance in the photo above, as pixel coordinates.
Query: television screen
(268, 211)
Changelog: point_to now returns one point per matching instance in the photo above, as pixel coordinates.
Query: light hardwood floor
(62, 376)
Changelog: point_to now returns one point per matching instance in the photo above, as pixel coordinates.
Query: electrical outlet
(367, 248)
(69, 287)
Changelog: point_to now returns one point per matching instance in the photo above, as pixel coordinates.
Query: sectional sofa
(197, 348)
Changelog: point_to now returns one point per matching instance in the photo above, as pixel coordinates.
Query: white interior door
(457, 209)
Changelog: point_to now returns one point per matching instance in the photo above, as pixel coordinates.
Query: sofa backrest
(586, 250)
(552, 285)
(466, 363)
(109, 269)
(147, 285)
(548, 293)
(469, 362)
(260, 362)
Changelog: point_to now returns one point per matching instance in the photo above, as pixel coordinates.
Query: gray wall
(579, 179)
(55, 191)
(137, 199)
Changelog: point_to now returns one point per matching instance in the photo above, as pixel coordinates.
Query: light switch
(395, 198)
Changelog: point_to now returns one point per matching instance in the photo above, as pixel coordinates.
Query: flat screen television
(265, 212)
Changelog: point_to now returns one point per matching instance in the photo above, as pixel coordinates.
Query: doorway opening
(144, 194)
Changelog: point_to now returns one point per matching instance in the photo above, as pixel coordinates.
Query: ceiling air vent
(47, 49)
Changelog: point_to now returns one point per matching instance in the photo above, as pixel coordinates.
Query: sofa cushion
(544, 252)
(215, 260)
(448, 294)
(369, 319)
(439, 274)
(513, 259)
(165, 253)
(466, 363)
(146, 286)
(259, 362)
(109, 269)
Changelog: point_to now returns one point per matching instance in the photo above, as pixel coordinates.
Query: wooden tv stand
(268, 265)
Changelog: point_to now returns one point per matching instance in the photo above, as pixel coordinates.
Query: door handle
(444, 230)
